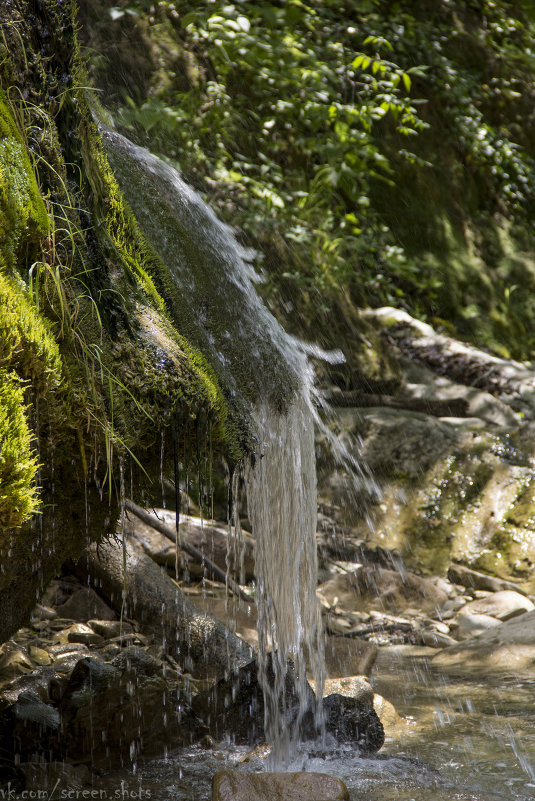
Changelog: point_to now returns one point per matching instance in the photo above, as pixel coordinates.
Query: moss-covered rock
(446, 491)
(93, 370)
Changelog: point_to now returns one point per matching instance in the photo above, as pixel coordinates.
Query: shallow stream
(465, 740)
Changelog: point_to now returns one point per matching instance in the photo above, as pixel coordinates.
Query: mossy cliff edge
(92, 367)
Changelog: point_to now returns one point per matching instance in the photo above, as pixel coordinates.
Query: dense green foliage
(381, 149)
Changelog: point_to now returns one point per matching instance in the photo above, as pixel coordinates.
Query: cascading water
(268, 374)
(282, 507)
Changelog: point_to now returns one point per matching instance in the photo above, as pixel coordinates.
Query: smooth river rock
(233, 785)
(502, 605)
(507, 648)
(470, 625)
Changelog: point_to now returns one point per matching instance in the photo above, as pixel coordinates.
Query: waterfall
(281, 495)
(268, 372)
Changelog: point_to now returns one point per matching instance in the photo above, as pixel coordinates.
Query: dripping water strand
(122, 528)
(176, 467)
(162, 455)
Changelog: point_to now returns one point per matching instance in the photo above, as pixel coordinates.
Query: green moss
(27, 344)
(23, 216)
(18, 463)
(432, 529)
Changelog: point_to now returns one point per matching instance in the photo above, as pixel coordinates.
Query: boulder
(470, 625)
(14, 661)
(136, 660)
(349, 656)
(387, 713)
(353, 687)
(85, 604)
(42, 776)
(235, 707)
(41, 612)
(502, 605)
(385, 590)
(472, 579)
(507, 648)
(28, 726)
(354, 720)
(234, 785)
(116, 717)
(401, 443)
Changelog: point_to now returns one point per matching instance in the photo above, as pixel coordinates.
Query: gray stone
(460, 574)
(506, 648)
(89, 677)
(400, 443)
(14, 661)
(353, 720)
(502, 605)
(137, 660)
(30, 709)
(80, 633)
(349, 656)
(40, 656)
(436, 639)
(44, 613)
(39, 776)
(84, 604)
(201, 644)
(357, 687)
(110, 628)
(207, 537)
(470, 625)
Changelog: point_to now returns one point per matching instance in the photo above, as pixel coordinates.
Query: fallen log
(453, 407)
(153, 521)
(200, 644)
(459, 361)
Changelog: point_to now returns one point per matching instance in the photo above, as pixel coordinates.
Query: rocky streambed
(84, 693)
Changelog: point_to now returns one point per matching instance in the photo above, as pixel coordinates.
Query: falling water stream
(282, 508)
(464, 741)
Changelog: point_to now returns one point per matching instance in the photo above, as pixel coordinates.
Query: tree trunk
(202, 645)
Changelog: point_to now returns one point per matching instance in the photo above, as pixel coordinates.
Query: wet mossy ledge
(93, 371)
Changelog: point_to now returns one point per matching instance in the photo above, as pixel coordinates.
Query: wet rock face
(29, 729)
(351, 721)
(235, 708)
(110, 713)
